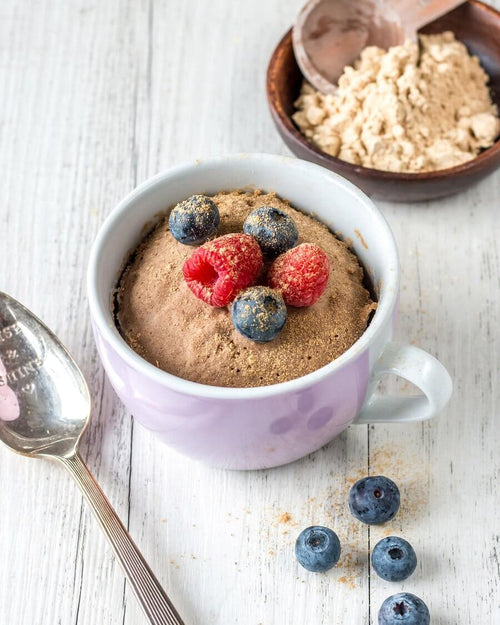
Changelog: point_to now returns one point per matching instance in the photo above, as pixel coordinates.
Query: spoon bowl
(53, 401)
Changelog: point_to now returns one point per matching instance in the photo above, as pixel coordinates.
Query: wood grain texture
(95, 98)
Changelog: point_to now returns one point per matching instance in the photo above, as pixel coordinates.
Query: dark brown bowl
(474, 23)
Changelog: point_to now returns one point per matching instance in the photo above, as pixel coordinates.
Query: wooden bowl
(475, 24)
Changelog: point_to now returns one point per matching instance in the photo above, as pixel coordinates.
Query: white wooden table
(96, 96)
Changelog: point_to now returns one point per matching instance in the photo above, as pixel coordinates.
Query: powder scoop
(330, 34)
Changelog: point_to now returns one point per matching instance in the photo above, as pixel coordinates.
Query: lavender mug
(254, 428)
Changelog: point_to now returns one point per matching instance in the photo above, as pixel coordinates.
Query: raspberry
(218, 270)
(301, 274)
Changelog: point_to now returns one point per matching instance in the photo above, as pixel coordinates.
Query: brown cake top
(167, 325)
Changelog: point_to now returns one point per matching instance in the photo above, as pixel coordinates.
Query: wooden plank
(95, 99)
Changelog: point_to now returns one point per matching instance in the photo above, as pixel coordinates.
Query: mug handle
(419, 368)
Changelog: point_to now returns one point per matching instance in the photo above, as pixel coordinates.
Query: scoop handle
(153, 599)
(417, 13)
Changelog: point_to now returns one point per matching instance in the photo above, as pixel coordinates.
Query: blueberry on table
(403, 609)
(394, 559)
(317, 548)
(274, 230)
(259, 313)
(374, 500)
(194, 220)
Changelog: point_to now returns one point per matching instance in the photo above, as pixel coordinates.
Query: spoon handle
(416, 14)
(151, 596)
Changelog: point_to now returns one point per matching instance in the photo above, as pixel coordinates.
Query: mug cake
(174, 320)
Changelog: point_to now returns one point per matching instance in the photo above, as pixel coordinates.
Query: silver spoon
(330, 34)
(44, 410)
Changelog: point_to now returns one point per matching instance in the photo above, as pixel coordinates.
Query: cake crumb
(360, 237)
(284, 517)
(348, 581)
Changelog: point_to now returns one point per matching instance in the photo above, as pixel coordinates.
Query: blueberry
(194, 220)
(374, 500)
(259, 313)
(317, 548)
(403, 609)
(394, 559)
(274, 230)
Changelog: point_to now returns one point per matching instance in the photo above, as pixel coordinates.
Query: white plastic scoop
(330, 34)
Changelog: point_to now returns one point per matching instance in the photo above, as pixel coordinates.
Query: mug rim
(105, 324)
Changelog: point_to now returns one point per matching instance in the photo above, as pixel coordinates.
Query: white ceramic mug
(249, 428)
